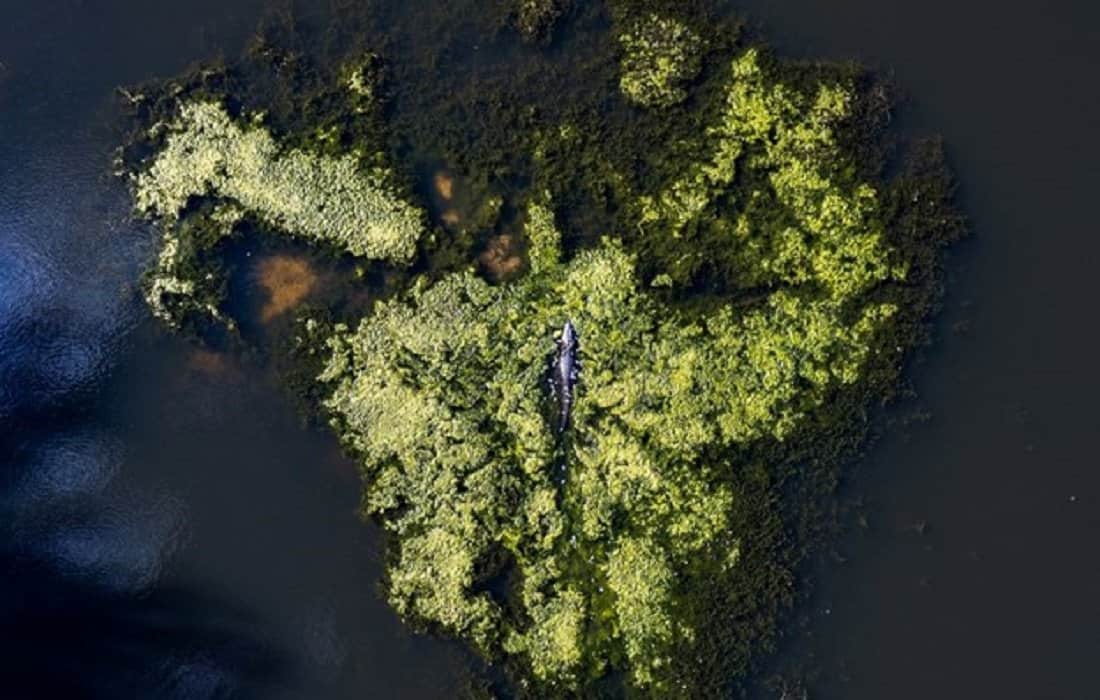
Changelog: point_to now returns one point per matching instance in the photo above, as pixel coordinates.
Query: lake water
(168, 529)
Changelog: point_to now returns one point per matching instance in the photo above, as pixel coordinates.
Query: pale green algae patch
(334, 200)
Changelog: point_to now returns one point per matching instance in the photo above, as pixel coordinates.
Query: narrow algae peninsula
(712, 223)
(238, 170)
(308, 195)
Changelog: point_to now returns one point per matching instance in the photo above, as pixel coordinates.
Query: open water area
(169, 529)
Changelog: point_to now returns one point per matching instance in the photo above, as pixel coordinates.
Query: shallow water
(168, 529)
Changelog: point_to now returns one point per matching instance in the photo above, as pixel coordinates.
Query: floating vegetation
(207, 155)
(333, 200)
(744, 281)
(441, 394)
(802, 220)
(660, 55)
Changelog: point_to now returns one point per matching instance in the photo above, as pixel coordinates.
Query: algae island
(744, 255)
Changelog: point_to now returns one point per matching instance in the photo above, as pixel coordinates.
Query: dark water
(168, 530)
(167, 527)
(999, 597)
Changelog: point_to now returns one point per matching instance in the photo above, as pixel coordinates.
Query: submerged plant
(535, 19)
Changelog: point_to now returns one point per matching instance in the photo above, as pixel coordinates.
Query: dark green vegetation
(745, 282)
(535, 19)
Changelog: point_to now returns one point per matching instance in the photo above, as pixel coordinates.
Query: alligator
(566, 371)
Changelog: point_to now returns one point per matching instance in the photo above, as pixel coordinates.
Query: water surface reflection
(168, 529)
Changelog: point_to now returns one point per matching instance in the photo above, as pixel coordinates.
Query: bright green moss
(543, 238)
(554, 641)
(660, 55)
(642, 581)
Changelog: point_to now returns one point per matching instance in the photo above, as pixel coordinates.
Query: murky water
(169, 530)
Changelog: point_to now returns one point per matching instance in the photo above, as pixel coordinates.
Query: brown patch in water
(444, 185)
(208, 362)
(208, 365)
(201, 386)
(288, 280)
(502, 258)
(450, 217)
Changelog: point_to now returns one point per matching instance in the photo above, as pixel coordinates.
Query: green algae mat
(746, 253)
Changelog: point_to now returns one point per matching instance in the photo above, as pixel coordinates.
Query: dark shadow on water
(65, 638)
(81, 614)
